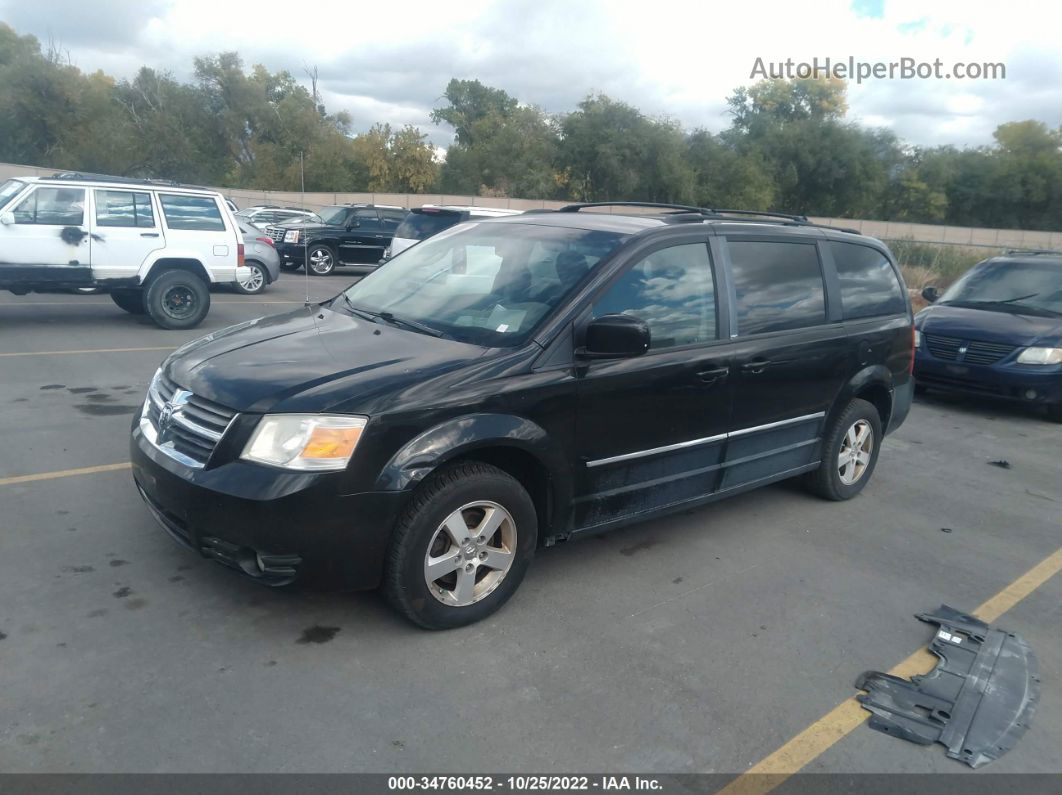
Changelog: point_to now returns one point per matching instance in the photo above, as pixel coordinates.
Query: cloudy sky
(390, 61)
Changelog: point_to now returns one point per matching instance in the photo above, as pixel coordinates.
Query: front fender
(455, 437)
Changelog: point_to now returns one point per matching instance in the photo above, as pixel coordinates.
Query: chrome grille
(954, 349)
(276, 233)
(193, 426)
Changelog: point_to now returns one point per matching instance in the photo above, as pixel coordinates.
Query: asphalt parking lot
(698, 643)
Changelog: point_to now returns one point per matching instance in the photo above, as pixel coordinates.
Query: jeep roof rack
(90, 177)
(684, 213)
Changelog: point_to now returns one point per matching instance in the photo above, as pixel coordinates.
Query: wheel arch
(516, 445)
(167, 264)
(872, 384)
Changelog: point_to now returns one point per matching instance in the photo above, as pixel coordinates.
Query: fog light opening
(250, 562)
(1030, 394)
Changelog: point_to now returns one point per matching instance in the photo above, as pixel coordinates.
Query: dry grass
(925, 264)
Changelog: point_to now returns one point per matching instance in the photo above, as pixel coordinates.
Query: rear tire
(320, 260)
(849, 453)
(177, 300)
(132, 301)
(255, 278)
(475, 577)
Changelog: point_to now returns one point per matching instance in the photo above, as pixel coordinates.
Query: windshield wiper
(413, 324)
(369, 314)
(1010, 303)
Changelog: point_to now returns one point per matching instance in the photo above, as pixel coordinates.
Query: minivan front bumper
(272, 526)
(1030, 384)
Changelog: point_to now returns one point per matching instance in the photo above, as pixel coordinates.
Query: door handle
(713, 375)
(755, 366)
(149, 234)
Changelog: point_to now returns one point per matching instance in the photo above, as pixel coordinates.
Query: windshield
(484, 283)
(9, 189)
(1030, 287)
(333, 215)
(424, 224)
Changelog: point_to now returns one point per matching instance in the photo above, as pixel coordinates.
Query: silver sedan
(262, 263)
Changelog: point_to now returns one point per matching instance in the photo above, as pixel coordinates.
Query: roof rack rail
(1033, 251)
(685, 208)
(90, 177)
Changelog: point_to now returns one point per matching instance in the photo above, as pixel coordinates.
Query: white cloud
(386, 62)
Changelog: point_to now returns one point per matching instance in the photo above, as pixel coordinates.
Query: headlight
(917, 338)
(291, 236)
(304, 442)
(1040, 356)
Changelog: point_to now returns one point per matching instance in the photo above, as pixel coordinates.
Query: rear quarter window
(418, 226)
(778, 285)
(869, 286)
(199, 213)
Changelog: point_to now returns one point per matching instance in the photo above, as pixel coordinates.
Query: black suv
(347, 234)
(520, 381)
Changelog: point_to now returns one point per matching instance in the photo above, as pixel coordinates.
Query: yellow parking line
(840, 721)
(63, 473)
(88, 350)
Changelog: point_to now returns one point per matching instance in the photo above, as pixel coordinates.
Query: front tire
(132, 301)
(462, 546)
(320, 260)
(177, 300)
(1054, 412)
(255, 278)
(849, 453)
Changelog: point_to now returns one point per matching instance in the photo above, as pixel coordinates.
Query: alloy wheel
(321, 261)
(856, 449)
(470, 553)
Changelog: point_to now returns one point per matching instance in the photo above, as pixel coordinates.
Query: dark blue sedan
(997, 332)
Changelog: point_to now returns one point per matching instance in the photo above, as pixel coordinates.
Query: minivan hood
(310, 360)
(990, 326)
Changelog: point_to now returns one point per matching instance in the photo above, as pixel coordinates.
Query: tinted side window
(673, 291)
(52, 206)
(869, 285)
(191, 212)
(778, 286)
(123, 208)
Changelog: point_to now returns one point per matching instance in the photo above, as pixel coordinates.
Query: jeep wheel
(132, 301)
(321, 260)
(251, 279)
(462, 546)
(849, 452)
(177, 300)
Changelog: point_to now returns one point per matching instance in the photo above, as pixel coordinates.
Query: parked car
(232, 205)
(423, 222)
(263, 215)
(261, 261)
(355, 235)
(997, 332)
(155, 246)
(428, 428)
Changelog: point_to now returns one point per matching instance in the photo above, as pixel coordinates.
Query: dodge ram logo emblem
(172, 406)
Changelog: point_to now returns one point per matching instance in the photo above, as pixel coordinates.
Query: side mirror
(7, 218)
(353, 224)
(615, 337)
(931, 294)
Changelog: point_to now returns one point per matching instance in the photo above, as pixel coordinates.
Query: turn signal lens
(305, 442)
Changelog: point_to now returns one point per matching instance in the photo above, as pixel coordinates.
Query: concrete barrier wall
(889, 230)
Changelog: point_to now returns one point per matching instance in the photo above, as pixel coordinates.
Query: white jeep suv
(155, 246)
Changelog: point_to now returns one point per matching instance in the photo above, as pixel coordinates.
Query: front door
(126, 231)
(651, 430)
(45, 241)
(790, 358)
(365, 239)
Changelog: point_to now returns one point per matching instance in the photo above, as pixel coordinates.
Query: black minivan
(519, 381)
